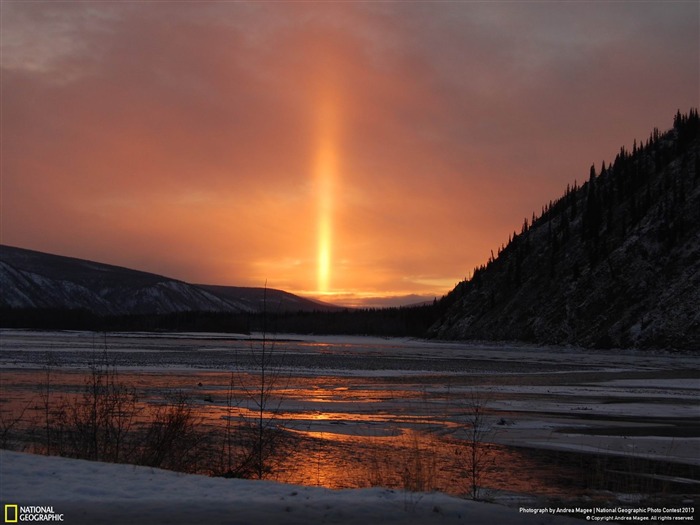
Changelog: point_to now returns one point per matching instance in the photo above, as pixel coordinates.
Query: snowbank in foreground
(89, 492)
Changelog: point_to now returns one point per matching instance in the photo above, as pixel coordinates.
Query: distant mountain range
(36, 280)
(612, 263)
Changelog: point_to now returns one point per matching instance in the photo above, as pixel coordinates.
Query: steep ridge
(613, 263)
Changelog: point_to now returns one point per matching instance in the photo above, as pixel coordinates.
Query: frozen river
(361, 407)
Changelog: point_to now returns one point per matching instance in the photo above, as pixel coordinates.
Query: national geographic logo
(11, 513)
(23, 514)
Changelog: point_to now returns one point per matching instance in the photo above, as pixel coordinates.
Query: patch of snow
(687, 384)
(88, 492)
(619, 446)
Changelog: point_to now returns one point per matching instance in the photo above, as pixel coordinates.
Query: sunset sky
(356, 152)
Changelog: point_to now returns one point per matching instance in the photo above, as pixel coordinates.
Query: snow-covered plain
(88, 493)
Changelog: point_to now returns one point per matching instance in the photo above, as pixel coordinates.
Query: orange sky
(349, 151)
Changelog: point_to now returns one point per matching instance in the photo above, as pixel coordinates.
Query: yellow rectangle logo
(11, 513)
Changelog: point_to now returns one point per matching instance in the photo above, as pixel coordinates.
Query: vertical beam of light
(326, 169)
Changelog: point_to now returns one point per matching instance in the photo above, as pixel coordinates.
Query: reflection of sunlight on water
(347, 461)
(348, 432)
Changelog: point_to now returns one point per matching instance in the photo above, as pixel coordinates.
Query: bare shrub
(257, 452)
(106, 421)
(419, 461)
(45, 393)
(228, 448)
(95, 424)
(473, 456)
(171, 438)
(260, 435)
(11, 427)
(380, 469)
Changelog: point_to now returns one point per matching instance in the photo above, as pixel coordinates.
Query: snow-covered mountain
(613, 263)
(36, 280)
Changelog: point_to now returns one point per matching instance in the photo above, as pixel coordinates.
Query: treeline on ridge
(612, 263)
(412, 321)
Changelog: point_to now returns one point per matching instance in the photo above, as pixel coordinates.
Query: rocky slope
(613, 263)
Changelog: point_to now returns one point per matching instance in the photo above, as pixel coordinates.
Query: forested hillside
(614, 262)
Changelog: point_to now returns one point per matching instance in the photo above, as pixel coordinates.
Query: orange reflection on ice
(359, 434)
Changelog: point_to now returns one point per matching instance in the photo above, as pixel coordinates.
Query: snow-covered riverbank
(89, 492)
